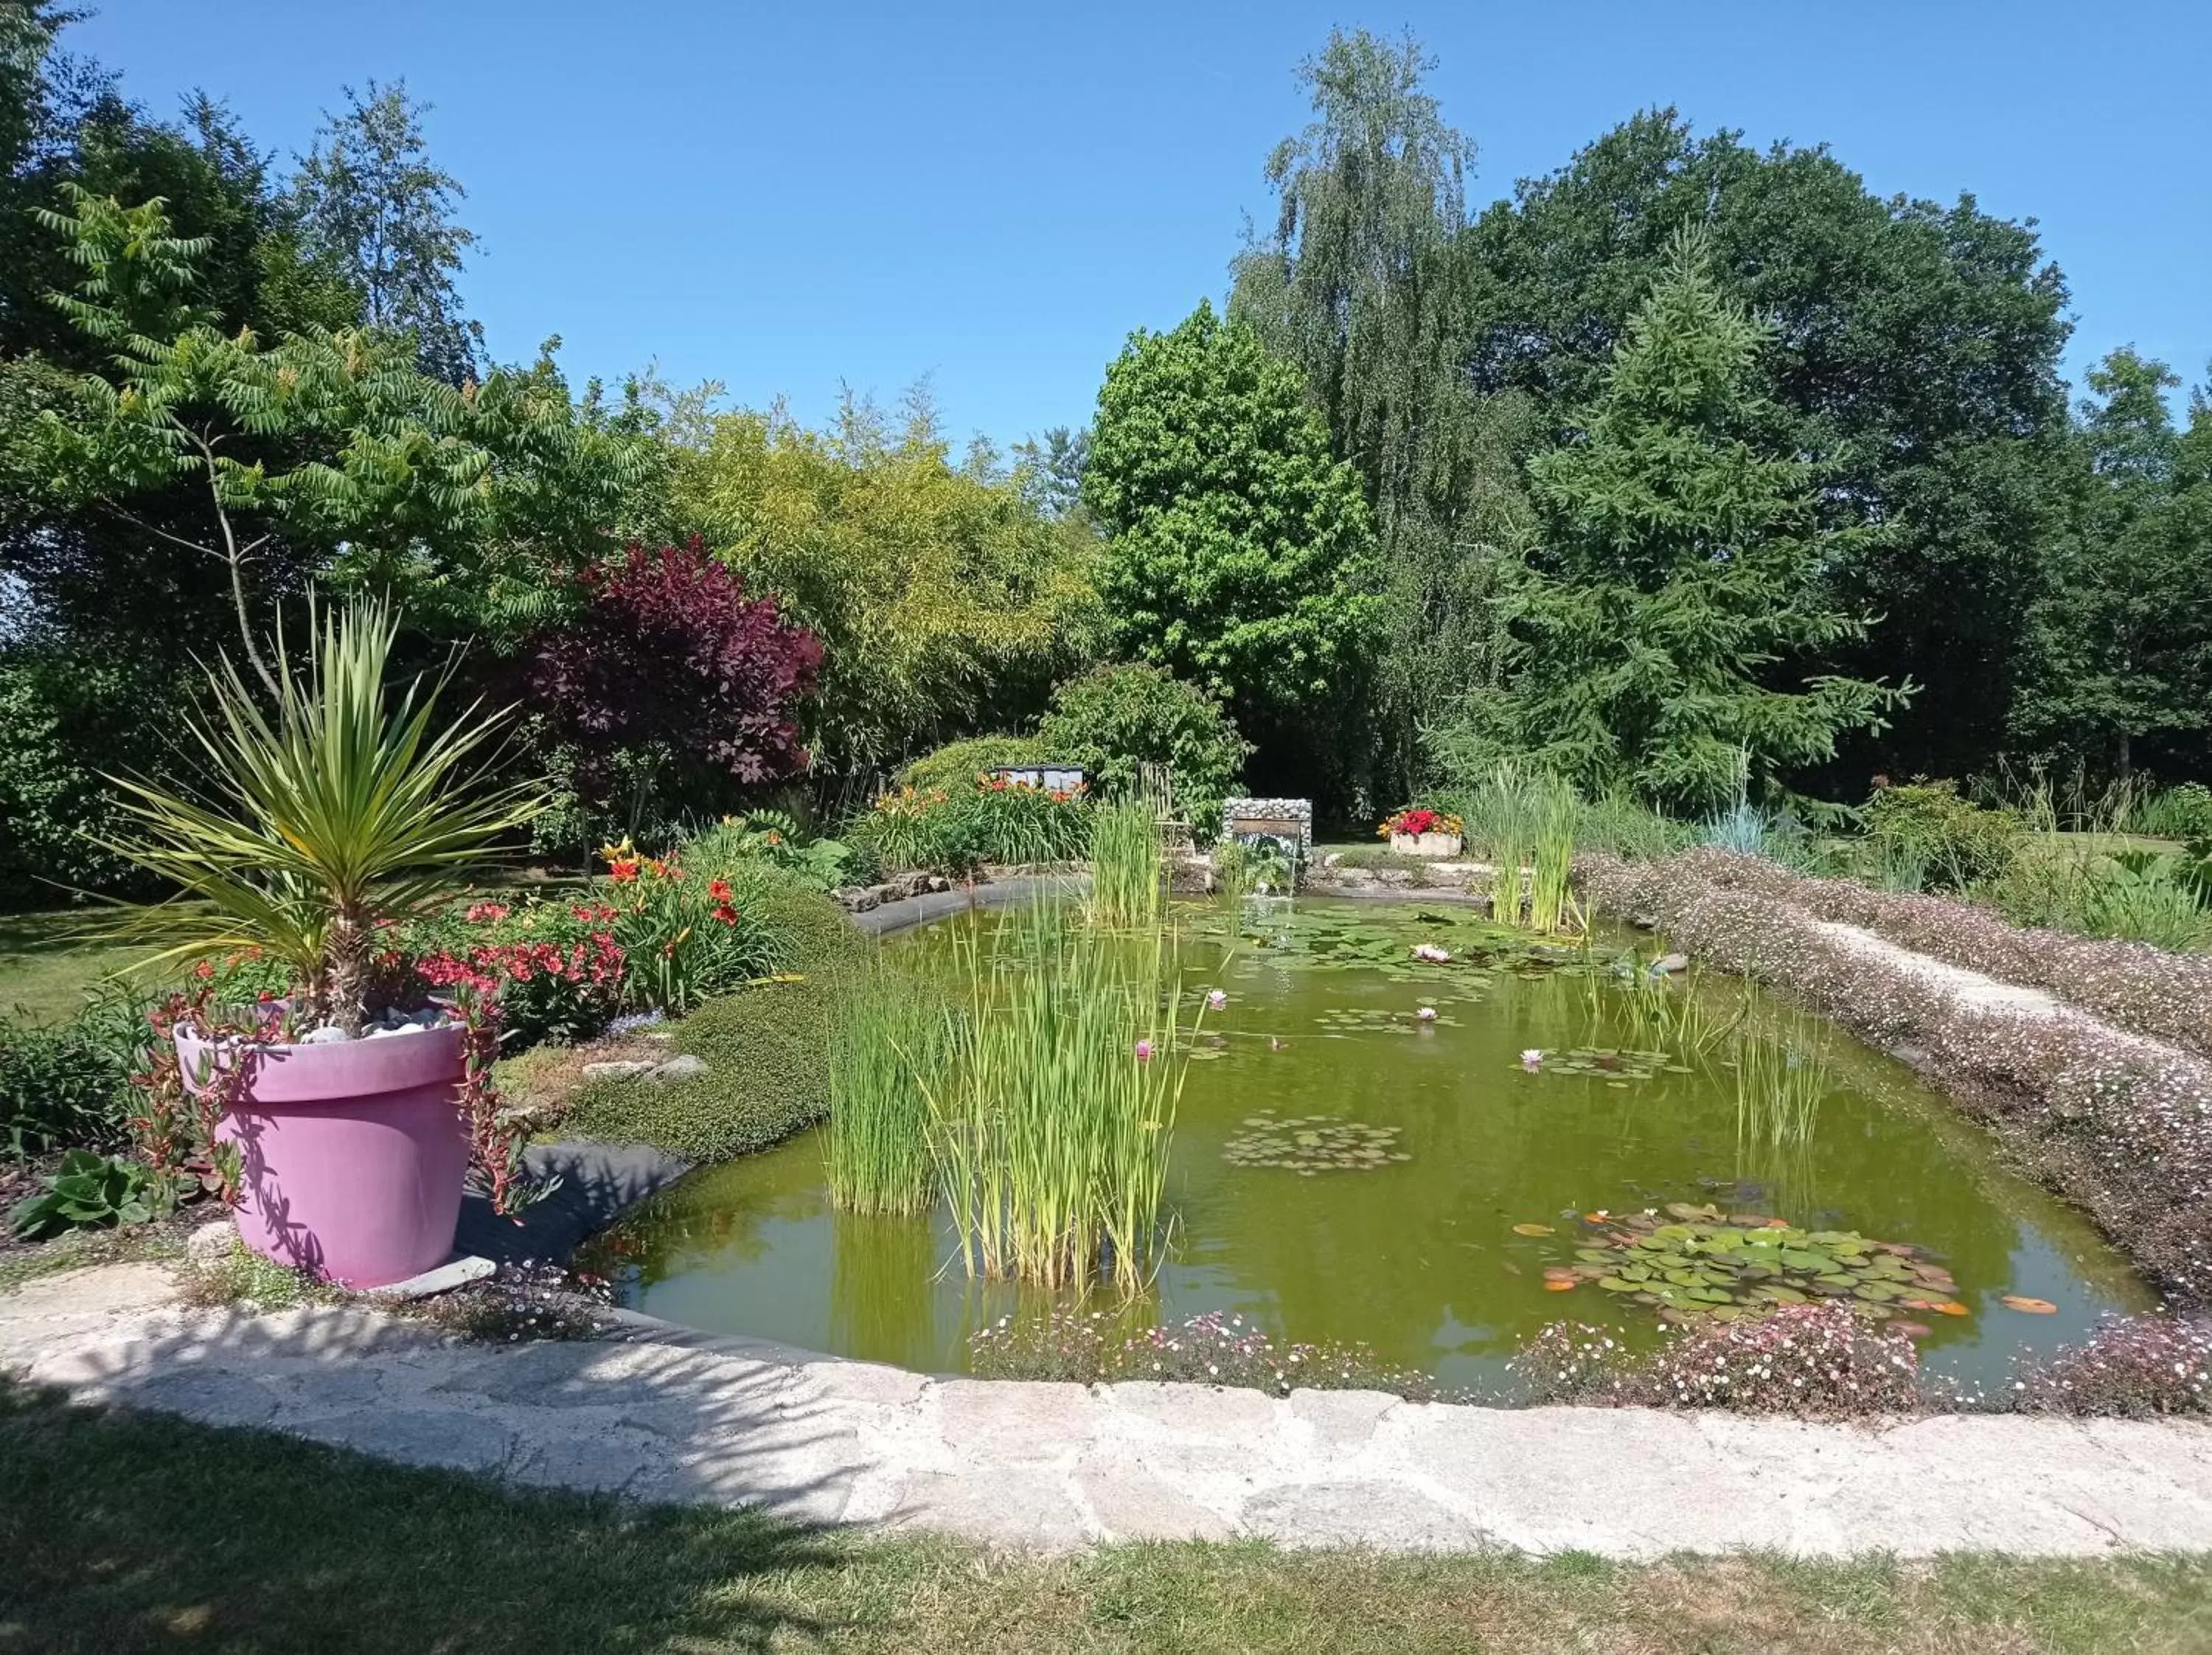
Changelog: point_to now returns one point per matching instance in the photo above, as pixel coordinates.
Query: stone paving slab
(1058, 1466)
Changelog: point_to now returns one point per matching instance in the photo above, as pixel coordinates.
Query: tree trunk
(346, 949)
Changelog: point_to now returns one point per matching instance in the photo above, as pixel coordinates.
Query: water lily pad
(1690, 1261)
(1533, 1230)
(1307, 1144)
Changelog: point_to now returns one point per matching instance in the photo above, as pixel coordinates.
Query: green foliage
(773, 839)
(1054, 1107)
(88, 1192)
(940, 594)
(1918, 355)
(954, 830)
(1954, 844)
(2176, 813)
(2121, 640)
(1240, 558)
(70, 1085)
(1116, 721)
(768, 1076)
(367, 202)
(347, 805)
(955, 765)
(1685, 565)
(1366, 285)
(890, 1037)
(1128, 882)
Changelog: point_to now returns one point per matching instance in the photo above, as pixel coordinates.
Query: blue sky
(789, 198)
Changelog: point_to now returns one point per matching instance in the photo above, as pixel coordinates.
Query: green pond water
(1417, 1256)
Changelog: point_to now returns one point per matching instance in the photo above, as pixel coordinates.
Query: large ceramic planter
(351, 1155)
(1426, 844)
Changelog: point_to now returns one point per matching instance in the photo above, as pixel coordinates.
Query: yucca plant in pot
(344, 804)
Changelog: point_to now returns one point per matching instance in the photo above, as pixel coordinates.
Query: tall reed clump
(1554, 814)
(1499, 820)
(1128, 881)
(1055, 1109)
(1781, 1079)
(894, 1034)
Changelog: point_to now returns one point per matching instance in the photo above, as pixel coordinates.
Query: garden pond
(1436, 1157)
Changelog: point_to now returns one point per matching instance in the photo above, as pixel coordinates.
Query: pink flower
(1143, 1051)
(1427, 1014)
(1430, 954)
(1216, 1000)
(1532, 1059)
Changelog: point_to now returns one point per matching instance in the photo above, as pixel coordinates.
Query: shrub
(1114, 720)
(2177, 812)
(553, 967)
(1818, 1360)
(954, 766)
(768, 1076)
(767, 838)
(684, 938)
(2134, 1367)
(70, 1087)
(671, 660)
(1958, 844)
(953, 831)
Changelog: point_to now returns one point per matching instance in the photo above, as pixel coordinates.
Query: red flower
(719, 890)
(204, 969)
(622, 873)
(727, 914)
(484, 913)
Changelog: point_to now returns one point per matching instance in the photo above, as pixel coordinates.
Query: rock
(938, 882)
(853, 899)
(329, 1034)
(1335, 859)
(618, 1068)
(680, 1069)
(1667, 964)
(211, 1242)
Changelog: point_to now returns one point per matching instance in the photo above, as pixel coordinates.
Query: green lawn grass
(122, 1533)
(48, 960)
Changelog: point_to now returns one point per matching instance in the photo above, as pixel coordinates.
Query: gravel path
(665, 1415)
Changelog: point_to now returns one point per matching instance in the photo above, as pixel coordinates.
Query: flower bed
(2122, 1126)
(2151, 990)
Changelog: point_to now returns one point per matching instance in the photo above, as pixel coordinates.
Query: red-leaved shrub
(670, 652)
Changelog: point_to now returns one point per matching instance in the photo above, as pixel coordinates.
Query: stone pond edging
(663, 1415)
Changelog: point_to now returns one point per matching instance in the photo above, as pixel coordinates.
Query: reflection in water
(1418, 1258)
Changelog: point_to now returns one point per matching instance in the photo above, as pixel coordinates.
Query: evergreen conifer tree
(1667, 635)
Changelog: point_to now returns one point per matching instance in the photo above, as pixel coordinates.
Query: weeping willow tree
(1363, 283)
(1668, 635)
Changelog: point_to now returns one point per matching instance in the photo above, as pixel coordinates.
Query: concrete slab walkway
(665, 1416)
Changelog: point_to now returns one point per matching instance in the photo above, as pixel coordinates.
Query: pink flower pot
(351, 1155)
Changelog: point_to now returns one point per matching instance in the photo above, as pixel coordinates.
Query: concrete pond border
(662, 1415)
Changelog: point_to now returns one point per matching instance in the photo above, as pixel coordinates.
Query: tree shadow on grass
(124, 1531)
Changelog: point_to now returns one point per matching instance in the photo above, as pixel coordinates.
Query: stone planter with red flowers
(1420, 831)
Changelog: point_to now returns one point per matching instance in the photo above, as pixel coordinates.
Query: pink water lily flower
(1427, 1014)
(1217, 1000)
(1429, 954)
(1143, 1051)
(1533, 1058)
